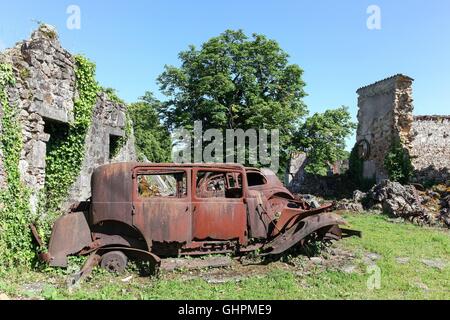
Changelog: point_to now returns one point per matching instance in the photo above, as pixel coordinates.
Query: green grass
(387, 239)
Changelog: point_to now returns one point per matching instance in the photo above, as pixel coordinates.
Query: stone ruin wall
(384, 116)
(430, 148)
(44, 93)
(108, 123)
(295, 174)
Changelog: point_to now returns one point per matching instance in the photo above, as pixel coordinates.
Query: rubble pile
(398, 201)
(437, 201)
(404, 202)
(431, 207)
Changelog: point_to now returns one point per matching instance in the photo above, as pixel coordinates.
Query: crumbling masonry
(44, 96)
(385, 115)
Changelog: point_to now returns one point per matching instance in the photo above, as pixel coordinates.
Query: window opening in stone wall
(114, 145)
(58, 132)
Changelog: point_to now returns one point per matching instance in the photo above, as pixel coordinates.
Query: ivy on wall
(355, 172)
(398, 163)
(65, 150)
(65, 154)
(16, 246)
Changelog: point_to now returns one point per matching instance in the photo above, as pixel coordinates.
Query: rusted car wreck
(148, 211)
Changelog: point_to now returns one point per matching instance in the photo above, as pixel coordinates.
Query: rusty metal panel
(70, 234)
(112, 193)
(258, 216)
(163, 219)
(273, 186)
(301, 229)
(219, 218)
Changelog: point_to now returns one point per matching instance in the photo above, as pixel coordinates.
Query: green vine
(16, 248)
(398, 163)
(66, 149)
(112, 95)
(355, 171)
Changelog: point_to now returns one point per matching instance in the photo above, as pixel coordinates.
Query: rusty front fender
(290, 216)
(301, 229)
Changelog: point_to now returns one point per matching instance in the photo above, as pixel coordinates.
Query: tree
(323, 136)
(153, 140)
(233, 82)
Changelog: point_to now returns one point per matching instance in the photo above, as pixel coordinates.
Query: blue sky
(131, 41)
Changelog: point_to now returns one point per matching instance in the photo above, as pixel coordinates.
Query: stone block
(37, 157)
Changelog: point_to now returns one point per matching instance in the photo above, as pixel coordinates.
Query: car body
(159, 210)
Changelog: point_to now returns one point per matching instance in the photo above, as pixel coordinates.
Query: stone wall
(384, 116)
(295, 173)
(108, 123)
(430, 148)
(298, 180)
(44, 93)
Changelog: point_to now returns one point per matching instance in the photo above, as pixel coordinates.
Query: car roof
(131, 165)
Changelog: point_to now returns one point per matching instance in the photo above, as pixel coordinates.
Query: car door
(219, 211)
(162, 207)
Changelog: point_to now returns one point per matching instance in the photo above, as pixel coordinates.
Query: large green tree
(323, 136)
(235, 81)
(153, 140)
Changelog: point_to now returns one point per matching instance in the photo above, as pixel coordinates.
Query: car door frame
(218, 218)
(163, 219)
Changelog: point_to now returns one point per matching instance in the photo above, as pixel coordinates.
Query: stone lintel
(55, 114)
(115, 131)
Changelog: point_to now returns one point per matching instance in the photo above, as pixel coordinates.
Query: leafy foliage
(153, 140)
(112, 95)
(15, 214)
(355, 164)
(66, 149)
(355, 172)
(233, 82)
(398, 163)
(322, 136)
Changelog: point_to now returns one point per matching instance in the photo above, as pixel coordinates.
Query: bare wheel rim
(114, 261)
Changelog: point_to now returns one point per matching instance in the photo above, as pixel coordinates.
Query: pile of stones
(398, 201)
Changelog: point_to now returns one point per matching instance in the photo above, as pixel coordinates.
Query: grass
(412, 280)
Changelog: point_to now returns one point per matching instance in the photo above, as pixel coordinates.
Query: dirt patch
(238, 269)
(172, 264)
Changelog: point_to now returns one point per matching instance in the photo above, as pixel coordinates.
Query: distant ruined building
(385, 115)
(44, 96)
